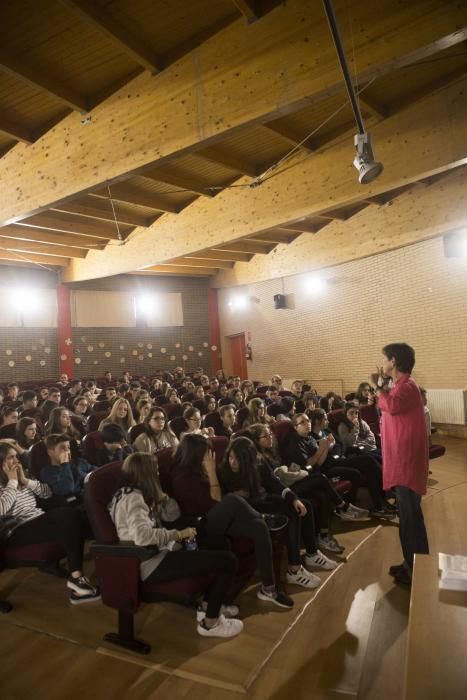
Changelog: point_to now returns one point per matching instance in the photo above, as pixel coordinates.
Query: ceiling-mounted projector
(368, 168)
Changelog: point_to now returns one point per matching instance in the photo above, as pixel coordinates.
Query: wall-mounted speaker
(280, 301)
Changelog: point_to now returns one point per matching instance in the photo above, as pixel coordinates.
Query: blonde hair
(127, 422)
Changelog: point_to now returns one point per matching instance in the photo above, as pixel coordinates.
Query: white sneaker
(222, 628)
(364, 512)
(352, 515)
(303, 578)
(320, 561)
(227, 611)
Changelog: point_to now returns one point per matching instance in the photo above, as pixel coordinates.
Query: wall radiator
(448, 406)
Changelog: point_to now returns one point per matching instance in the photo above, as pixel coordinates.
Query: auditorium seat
(173, 410)
(281, 429)
(92, 444)
(369, 413)
(117, 564)
(178, 425)
(38, 458)
(95, 420)
(212, 420)
(135, 430)
(8, 431)
(240, 417)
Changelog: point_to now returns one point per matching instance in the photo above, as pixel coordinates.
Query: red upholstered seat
(262, 389)
(240, 417)
(38, 458)
(95, 420)
(213, 420)
(178, 425)
(135, 431)
(334, 418)
(173, 410)
(281, 429)
(369, 413)
(92, 444)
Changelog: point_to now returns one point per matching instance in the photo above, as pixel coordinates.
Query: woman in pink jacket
(405, 451)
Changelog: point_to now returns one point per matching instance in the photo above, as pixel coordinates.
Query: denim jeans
(412, 531)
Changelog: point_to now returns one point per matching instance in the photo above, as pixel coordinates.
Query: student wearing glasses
(157, 434)
(256, 413)
(193, 419)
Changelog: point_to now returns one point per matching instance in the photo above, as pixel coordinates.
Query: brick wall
(413, 294)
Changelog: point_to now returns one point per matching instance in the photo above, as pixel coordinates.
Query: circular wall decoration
(122, 347)
(102, 344)
(177, 345)
(8, 352)
(42, 363)
(205, 344)
(200, 354)
(68, 341)
(163, 350)
(95, 362)
(47, 351)
(90, 348)
(172, 357)
(214, 348)
(83, 338)
(149, 346)
(77, 360)
(190, 348)
(184, 357)
(11, 363)
(141, 345)
(140, 357)
(34, 348)
(149, 354)
(122, 360)
(62, 357)
(134, 352)
(108, 354)
(28, 358)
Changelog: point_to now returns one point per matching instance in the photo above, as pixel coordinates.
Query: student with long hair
(26, 433)
(193, 419)
(137, 510)
(157, 434)
(31, 525)
(142, 409)
(245, 473)
(365, 394)
(121, 414)
(355, 433)
(234, 397)
(60, 422)
(256, 413)
(196, 488)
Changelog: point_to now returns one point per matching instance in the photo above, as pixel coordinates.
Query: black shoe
(403, 577)
(275, 522)
(395, 569)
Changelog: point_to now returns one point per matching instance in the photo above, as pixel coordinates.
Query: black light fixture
(368, 168)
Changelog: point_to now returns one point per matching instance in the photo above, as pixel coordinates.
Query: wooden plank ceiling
(72, 55)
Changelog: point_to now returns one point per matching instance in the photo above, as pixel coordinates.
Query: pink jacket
(403, 437)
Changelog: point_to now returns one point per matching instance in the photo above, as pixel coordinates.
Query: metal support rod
(334, 27)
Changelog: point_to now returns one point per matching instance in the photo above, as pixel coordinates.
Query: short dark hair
(226, 407)
(403, 355)
(111, 432)
(55, 439)
(29, 395)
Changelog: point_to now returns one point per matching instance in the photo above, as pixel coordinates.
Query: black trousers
(325, 497)
(412, 531)
(58, 525)
(297, 527)
(221, 565)
(235, 517)
(371, 471)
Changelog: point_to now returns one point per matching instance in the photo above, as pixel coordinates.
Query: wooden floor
(347, 640)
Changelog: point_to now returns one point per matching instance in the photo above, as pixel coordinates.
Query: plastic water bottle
(191, 545)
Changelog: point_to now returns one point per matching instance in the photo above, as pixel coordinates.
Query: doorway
(237, 354)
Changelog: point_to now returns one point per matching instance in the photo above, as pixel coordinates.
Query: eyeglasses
(158, 418)
(195, 419)
(305, 421)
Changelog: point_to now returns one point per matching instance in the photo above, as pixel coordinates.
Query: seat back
(100, 488)
(281, 429)
(273, 410)
(8, 431)
(212, 420)
(178, 425)
(262, 389)
(219, 444)
(334, 418)
(369, 413)
(95, 420)
(38, 458)
(135, 431)
(165, 461)
(173, 410)
(92, 443)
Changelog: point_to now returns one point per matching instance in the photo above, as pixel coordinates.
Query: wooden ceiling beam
(308, 187)
(15, 130)
(33, 247)
(32, 258)
(101, 209)
(221, 156)
(41, 81)
(150, 121)
(288, 135)
(184, 182)
(220, 255)
(69, 223)
(92, 13)
(374, 107)
(195, 262)
(274, 236)
(302, 227)
(250, 9)
(246, 246)
(123, 192)
(181, 270)
(40, 235)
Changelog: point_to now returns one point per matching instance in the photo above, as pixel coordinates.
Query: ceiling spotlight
(315, 284)
(368, 168)
(238, 302)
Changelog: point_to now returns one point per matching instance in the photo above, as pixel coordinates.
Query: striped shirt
(20, 501)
